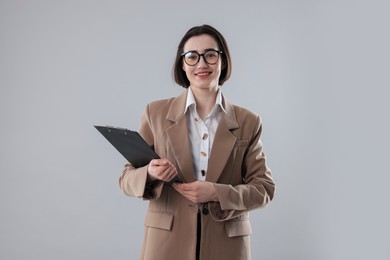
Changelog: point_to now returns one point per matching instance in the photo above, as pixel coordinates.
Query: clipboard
(131, 145)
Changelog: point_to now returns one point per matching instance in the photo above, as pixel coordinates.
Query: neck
(205, 100)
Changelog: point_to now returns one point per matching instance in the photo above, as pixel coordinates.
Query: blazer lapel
(223, 143)
(178, 137)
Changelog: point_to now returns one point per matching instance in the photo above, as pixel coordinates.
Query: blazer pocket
(238, 228)
(159, 219)
(241, 143)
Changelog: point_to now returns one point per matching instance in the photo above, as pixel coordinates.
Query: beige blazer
(237, 166)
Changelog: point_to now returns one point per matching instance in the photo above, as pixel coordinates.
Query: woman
(213, 148)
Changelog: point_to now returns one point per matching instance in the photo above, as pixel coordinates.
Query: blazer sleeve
(134, 181)
(257, 189)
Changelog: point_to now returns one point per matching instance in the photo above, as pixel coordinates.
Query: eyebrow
(208, 49)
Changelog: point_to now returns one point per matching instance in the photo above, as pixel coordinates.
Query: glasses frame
(201, 55)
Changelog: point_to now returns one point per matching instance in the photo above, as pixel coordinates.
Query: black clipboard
(131, 145)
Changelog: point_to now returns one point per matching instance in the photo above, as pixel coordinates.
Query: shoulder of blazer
(160, 105)
(245, 118)
(171, 108)
(244, 114)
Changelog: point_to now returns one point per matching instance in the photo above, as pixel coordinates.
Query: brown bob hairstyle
(178, 72)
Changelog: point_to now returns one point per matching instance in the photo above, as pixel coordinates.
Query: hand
(161, 169)
(198, 191)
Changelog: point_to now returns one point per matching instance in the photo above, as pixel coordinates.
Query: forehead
(200, 43)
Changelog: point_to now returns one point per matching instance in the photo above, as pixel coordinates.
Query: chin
(205, 86)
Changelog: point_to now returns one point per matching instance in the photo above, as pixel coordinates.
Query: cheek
(219, 69)
(187, 70)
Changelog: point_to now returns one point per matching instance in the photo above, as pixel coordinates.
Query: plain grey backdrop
(316, 71)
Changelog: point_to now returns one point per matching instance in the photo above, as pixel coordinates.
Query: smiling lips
(202, 74)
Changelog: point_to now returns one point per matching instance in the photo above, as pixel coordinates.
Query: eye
(210, 54)
(191, 56)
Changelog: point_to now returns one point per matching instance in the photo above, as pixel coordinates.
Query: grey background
(316, 71)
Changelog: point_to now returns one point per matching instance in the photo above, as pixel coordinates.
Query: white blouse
(201, 133)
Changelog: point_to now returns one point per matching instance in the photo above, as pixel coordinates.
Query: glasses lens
(191, 58)
(211, 56)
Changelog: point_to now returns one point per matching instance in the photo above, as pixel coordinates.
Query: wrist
(149, 176)
(215, 194)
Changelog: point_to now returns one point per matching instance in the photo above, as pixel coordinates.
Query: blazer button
(205, 211)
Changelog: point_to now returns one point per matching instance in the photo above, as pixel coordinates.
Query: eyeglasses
(192, 58)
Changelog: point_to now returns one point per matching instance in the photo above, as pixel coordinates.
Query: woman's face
(202, 75)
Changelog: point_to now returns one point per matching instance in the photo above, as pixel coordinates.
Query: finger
(183, 193)
(188, 186)
(160, 173)
(172, 175)
(191, 198)
(166, 175)
(179, 186)
(164, 162)
(190, 195)
(177, 189)
(165, 172)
